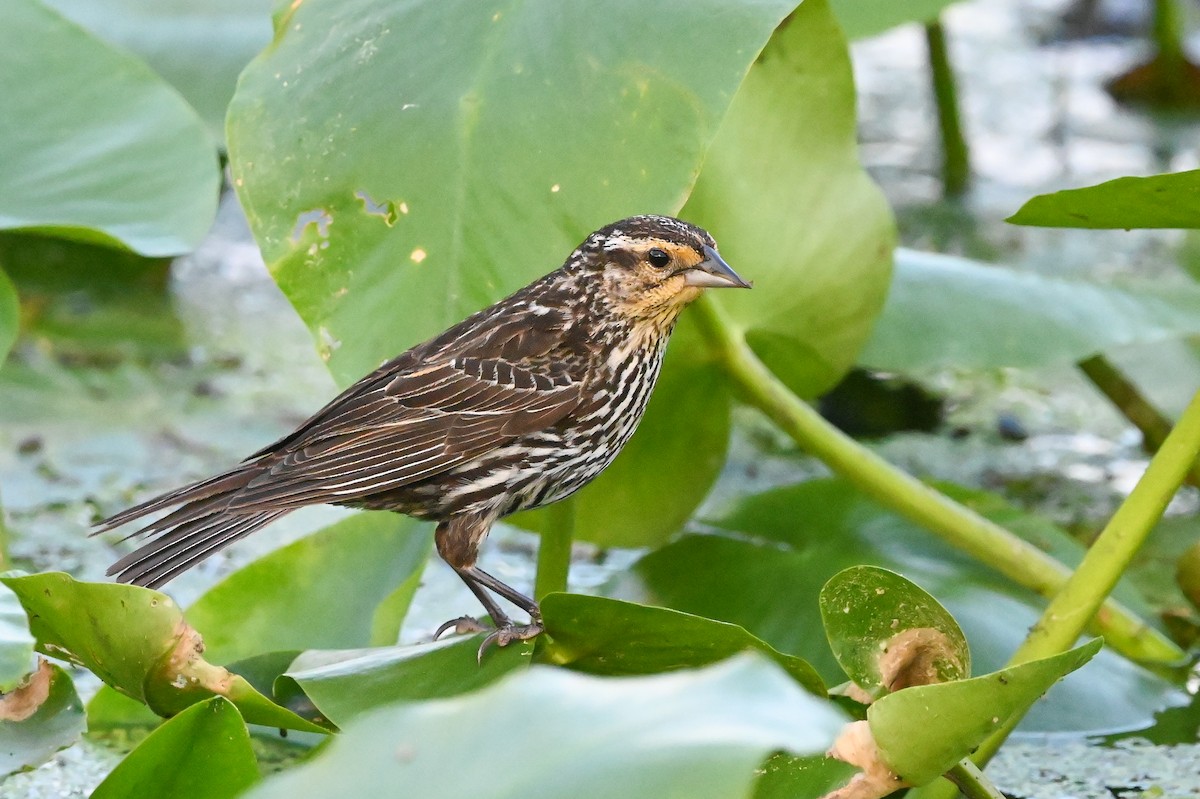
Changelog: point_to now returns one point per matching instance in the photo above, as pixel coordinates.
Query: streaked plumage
(517, 406)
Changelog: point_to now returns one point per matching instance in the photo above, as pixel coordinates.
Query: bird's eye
(658, 258)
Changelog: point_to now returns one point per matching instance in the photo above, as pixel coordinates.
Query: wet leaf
(33, 728)
(136, 641)
(16, 642)
(198, 46)
(697, 733)
(1157, 201)
(610, 637)
(888, 634)
(343, 685)
(789, 541)
(789, 777)
(320, 592)
(768, 191)
(924, 730)
(110, 709)
(203, 753)
(949, 311)
(116, 157)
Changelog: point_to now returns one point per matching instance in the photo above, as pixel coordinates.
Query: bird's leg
(458, 541)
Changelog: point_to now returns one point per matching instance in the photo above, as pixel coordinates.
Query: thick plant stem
(1068, 613)
(1153, 425)
(554, 553)
(959, 526)
(1169, 36)
(971, 782)
(956, 165)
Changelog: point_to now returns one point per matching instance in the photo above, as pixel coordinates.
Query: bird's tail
(200, 526)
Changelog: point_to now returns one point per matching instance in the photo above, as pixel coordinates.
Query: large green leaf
(38, 719)
(551, 733)
(449, 152)
(1158, 201)
(924, 730)
(949, 311)
(93, 144)
(862, 18)
(320, 592)
(788, 542)
(606, 636)
(199, 46)
(203, 753)
(781, 186)
(10, 315)
(135, 640)
(16, 642)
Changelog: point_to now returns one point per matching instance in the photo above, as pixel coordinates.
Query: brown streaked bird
(517, 406)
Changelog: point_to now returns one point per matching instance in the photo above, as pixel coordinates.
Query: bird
(517, 406)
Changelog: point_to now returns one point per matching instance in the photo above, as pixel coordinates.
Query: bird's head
(650, 267)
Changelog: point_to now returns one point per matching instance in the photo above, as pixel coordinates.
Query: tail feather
(200, 526)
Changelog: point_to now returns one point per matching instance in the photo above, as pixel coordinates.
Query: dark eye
(658, 258)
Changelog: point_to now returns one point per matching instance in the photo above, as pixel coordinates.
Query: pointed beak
(714, 273)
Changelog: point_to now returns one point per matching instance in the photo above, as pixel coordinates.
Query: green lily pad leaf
(343, 685)
(788, 542)
(767, 191)
(789, 777)
(137, 641)
(1158, 201)
(16, 642)
(699, 734)
(614, 118)
(95, 146)
(110, 709)
(320, 592)
(888, 634)
(924, 730)
(682, 441)
(863, 18)
(39, 718)
(198, 46)
(203, 753)
(610, 637)
(950, 311)
(10, 315)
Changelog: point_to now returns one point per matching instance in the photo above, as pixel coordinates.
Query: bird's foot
(463, 625)
(505, 634)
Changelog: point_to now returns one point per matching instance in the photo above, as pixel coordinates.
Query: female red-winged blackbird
(517, 406)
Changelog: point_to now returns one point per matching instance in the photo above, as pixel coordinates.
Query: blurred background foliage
(399, 165)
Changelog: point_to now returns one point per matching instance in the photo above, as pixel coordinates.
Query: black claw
(506, 634)
(461, 626)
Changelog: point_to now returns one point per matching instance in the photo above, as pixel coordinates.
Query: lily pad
(552, 733)
(38, 719)
(949, 311)
(136, 640)
(924, 730)
(888, 634)
(321, 592)
(610, 637)
(863, 18)
(1157, 201)
(96, 147)
(16, 642)
(203, 753)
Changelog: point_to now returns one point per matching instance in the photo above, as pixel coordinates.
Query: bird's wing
(422, 416)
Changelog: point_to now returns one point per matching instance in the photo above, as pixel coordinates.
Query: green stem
(956, 166)
(1069, 612)
(1168, 35)
(1122, 393)
(554, 553)
(959, 526)
(971, 782)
